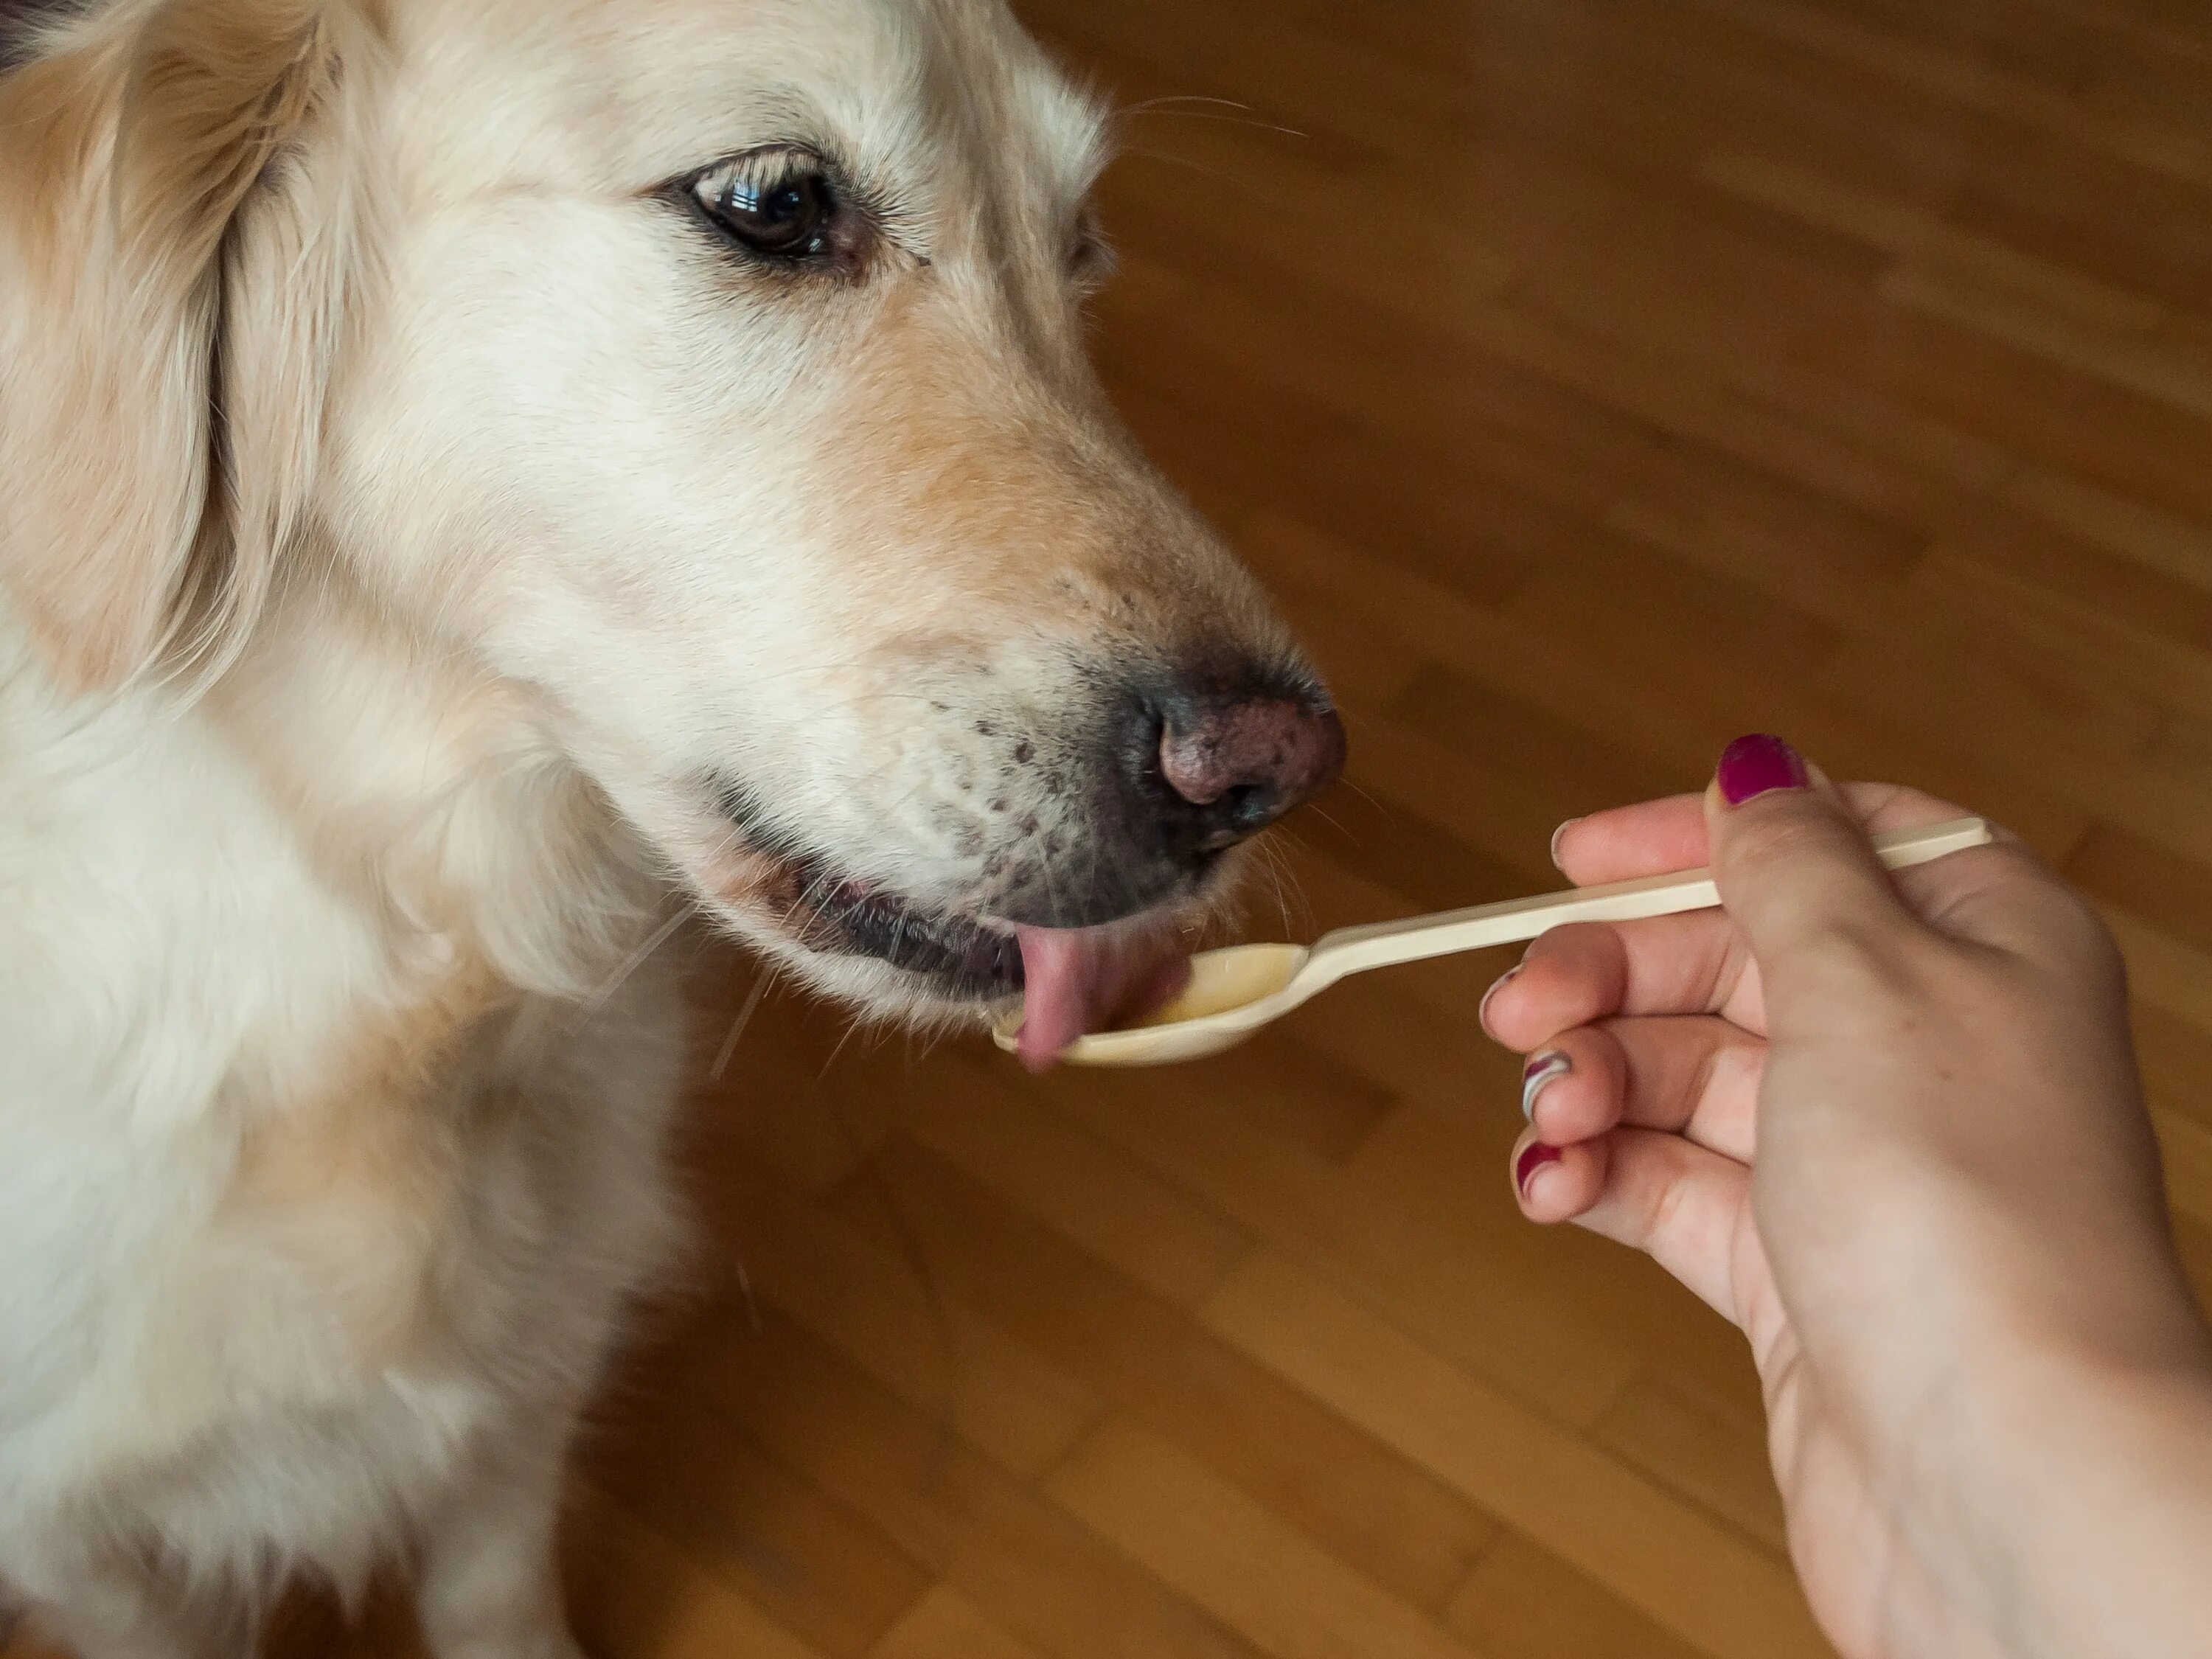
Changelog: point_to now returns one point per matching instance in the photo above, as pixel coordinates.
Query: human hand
(1890, 1127)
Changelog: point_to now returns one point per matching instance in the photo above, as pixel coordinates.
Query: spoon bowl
(1227, 998)
(1235, 991)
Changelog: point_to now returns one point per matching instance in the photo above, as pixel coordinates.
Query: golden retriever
(474, 479)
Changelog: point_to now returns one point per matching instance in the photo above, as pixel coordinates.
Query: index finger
(1626, 843)
(2003, 895)
(1658, 837)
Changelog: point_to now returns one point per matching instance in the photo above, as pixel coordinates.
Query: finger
(1653, 837)
(1794, 865)
(1586, 971)
(1556, 1183)
(1675, 965)
(1685, 1207)
(2001, 895)
(1658, 837)
(1695, 1076)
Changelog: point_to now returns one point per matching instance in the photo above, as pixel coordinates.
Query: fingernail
(1540, 1070)
(1482, 1008)
(1757, 765)
(1556, 836)
(1532, 1160)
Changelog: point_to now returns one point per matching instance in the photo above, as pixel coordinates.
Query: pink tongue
(1085, 980)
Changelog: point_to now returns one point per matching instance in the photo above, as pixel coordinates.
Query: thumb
(1792, 860)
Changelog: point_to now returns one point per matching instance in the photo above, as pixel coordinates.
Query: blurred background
(1594, 381)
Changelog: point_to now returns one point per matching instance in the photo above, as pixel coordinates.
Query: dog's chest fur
(298, 1191)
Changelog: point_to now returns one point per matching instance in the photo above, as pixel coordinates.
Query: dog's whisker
(1271, 861)
(1252, 122)
(1365, 794)
(1167, 99)
(1175, 105)
(766, 977)
(1184, 161)
(852, 1024)
(636, 959)
(1295, 889)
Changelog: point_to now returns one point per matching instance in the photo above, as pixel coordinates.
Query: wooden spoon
(1235, 991)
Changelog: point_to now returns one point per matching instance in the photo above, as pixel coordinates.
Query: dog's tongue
(1080, 981)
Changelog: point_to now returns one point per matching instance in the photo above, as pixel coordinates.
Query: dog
(477, 482)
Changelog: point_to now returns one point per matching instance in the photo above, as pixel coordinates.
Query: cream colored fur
(407, 514)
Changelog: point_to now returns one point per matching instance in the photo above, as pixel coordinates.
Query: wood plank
(1695, 1575)
(2130, 870)
(1105, 1202)
(820, 1571)
(635, 1594)
(1235, 1557)
(877, 1303)
(1044, 1579)
(1516, 1334)
(945, 1624)
(1523, 1603)
(1388, 1519)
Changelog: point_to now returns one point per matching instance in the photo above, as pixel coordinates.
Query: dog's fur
(426, 552)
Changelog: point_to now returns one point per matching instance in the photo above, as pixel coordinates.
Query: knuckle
(1787, 832)
(1671, 1210)
(1878, 973)
(1869, 951)
(1662, 1214)
(2087, 935)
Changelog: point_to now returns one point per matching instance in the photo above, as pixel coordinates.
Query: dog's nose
(1233, 764)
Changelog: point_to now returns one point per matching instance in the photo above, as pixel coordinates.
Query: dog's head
(712, 369)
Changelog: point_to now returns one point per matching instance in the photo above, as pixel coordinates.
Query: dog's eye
(779, 203)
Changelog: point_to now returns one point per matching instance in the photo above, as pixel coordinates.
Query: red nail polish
(1534, 1158)
(1757, 765)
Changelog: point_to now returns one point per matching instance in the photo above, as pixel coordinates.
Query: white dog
(476, 475)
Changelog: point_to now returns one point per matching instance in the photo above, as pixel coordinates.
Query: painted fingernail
(1540, 1070)
(1482, 1008)
(1556, 836)
(1757, 765)
(1537, 1156)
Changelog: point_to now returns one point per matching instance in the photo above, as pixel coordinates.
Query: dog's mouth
(966, 958)
(1071, 980)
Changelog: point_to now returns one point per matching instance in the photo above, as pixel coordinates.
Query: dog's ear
(160, 349)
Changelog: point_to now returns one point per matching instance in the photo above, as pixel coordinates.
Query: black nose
(1228, 763)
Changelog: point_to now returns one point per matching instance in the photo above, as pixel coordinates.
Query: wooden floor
(1594, 379)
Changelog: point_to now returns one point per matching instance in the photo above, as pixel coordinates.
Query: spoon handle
(1380, 944)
